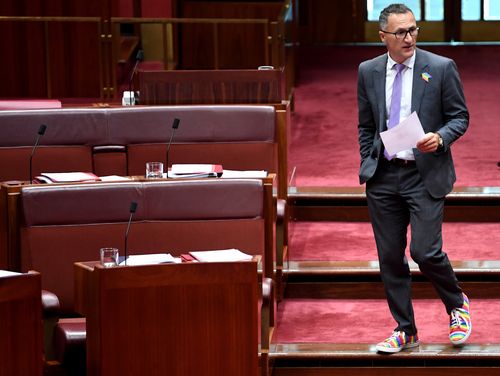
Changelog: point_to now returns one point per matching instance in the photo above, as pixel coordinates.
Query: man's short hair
(391, 9)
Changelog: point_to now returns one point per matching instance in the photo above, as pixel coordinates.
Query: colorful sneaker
(397, 342)
(460, 323)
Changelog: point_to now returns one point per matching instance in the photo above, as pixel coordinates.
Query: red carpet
(346, 241)
(369, 321)
(324, 145)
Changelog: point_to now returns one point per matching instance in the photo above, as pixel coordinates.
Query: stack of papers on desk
(8, 273)
(66, 177)
(248, 174)
(150, 259)
(223, 255)
(195, 170)
(114, 178)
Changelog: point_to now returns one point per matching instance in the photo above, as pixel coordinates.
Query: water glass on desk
(109, 257)
(154, 170)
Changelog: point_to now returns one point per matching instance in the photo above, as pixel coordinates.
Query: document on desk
(8, 273)
(403, 136)
(238, 174)
(149, 259)
(222, 255)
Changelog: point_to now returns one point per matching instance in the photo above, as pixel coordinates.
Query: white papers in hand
(150, 259)
(223, 255)
(403, 136)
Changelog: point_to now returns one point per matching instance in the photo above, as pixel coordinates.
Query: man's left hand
(429, 143)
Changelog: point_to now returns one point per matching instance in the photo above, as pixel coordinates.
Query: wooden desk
(21, 325)
(11, 216)
(174, 319)
(227, 86)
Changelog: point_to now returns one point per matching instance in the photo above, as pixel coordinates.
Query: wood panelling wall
(326, 21)
(242, 42)
(73, 63)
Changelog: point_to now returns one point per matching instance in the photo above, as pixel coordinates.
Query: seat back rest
(204, 200)
(197, 124)
(65, 146)
(110, 160)
(238, 137)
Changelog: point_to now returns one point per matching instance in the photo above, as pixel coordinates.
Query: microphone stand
(41, 132)
(139, 57)
(133, 208)
(175, 125)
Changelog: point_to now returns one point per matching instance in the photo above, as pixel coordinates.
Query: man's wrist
(440, 142)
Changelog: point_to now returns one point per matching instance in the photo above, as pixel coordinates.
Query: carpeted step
(367, 321)
(328, 259)
(337, 337)
(353, 241)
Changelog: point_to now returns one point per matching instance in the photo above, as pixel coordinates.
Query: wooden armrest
(281, 244)
(50, 304)
(50, 313)
(266, 313)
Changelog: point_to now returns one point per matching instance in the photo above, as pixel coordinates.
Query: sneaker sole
(396, 349)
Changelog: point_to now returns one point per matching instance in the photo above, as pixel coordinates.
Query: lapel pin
(426, 76)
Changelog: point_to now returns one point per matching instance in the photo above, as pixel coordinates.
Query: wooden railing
(79, 62)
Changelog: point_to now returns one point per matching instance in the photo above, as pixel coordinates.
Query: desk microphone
(41, 132)
(138, 58)
(175, 125)
(133, 208)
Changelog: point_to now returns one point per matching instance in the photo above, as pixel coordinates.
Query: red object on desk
(187, 258)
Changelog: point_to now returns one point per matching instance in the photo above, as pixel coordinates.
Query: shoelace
(456, 318)
(395, 335)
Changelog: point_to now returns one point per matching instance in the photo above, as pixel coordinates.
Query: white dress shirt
(405, 110)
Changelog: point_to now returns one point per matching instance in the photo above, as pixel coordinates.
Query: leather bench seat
(63, 224)
(65, 146)
(70, 344)
(119, 141)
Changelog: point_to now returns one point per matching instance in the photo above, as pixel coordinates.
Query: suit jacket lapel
(379, 85)
(419, 85)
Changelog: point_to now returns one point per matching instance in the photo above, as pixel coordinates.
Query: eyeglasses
(413, 31)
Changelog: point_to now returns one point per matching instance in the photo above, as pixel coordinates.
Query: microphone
(133, 208)
(41, 132)
(138, 58)
(175, 125)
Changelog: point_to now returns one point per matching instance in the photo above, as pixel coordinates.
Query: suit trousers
(396, 198)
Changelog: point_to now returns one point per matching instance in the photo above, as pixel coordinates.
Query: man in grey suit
(409, 188)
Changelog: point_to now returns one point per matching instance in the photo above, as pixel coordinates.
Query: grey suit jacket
(439, 103)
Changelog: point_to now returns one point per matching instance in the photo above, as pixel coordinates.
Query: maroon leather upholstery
(238, 137)
(70, 345)
(121, 140)
(65, 146)
(65, 224)
(140, 125)
(50, 304)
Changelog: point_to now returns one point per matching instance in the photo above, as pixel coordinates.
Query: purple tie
(395, 108)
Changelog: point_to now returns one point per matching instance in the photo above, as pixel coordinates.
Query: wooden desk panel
(21, 325)
(245, 86)
(175, 319)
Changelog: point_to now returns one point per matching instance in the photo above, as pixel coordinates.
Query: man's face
(399, 48)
